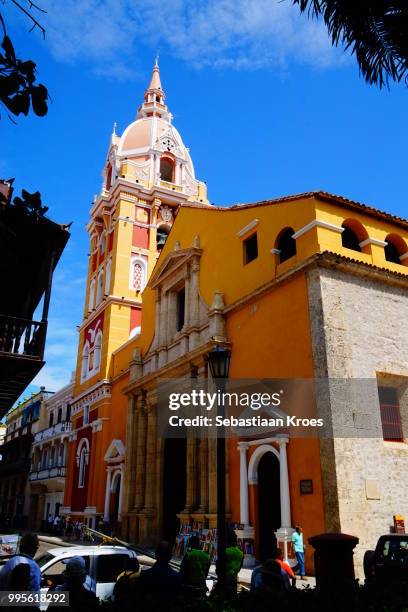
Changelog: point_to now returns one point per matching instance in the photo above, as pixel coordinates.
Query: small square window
(390, 414)
(250, 248)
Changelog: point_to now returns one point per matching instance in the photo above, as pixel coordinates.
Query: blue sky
(265, 104)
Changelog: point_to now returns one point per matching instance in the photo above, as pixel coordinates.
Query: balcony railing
(54, 430)
(52, 472)
(22, 337)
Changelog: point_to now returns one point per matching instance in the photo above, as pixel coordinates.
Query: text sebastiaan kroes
(267, 403)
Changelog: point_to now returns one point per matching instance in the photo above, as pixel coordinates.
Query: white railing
(53, 472)
(54, 430)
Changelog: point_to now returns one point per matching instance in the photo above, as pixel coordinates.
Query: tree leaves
(376, 31)
(17, 84)
(31, 203)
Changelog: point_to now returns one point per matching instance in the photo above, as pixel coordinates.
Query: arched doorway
(174, 485)
(269, 511)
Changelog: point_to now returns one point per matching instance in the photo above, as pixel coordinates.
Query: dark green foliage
(17, 83)
(30, 203)
(376, 31)
(377, 597)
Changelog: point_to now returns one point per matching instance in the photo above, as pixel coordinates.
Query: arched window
(286, 244)
(91, 301)
(395, 247)
(99, 288)
(97, 352)
(85, 362)
(82, 458)
(61, 457)
(161, 237)
(103, 244)
(353, 235)
(167, 169)
(138, 273)
(108, 176)
(108, 276)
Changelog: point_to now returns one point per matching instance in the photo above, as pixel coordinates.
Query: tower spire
(155, 82)
(154, 96)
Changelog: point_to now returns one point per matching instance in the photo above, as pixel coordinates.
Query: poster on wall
(8, 545)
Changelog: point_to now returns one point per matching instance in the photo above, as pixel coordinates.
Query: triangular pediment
(116, 451)
(172, 262)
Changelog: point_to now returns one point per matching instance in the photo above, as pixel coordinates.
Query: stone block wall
(359, 329)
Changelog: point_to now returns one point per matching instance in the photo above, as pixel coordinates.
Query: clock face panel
(168, 145)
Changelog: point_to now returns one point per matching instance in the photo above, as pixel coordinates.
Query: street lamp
(219, 362)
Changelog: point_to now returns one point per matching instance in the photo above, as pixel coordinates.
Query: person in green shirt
(234, 560)
(194, 567)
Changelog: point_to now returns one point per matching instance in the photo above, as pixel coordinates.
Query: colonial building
(310, 286)
(21, 426)
(49, 457)
(147, 176)
(302, 287)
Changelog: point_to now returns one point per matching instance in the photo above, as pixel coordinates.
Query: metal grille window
(390, 414)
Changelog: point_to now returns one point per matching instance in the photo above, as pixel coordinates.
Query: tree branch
(36, 24)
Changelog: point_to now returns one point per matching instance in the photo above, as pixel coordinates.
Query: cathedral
(309, 286)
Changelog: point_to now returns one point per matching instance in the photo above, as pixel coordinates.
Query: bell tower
(147, 175)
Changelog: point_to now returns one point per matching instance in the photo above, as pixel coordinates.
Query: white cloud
(52, 378)
(240, 34)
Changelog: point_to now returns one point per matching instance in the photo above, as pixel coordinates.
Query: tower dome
(151, 151)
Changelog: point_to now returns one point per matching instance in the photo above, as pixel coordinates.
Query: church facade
(310, 286)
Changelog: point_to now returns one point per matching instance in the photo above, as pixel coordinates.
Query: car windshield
(395, 549)
(44, 558)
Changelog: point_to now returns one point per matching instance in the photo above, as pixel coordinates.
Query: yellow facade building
(310, 286)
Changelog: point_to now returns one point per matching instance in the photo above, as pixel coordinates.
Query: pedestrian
(269, 577)
(74, 584)
(125, 588)
(299, 549)
(50, 523)
(28, 547)
(285, 566)
(56, 524)
(160, 582)
(234, 559)
(68, 528)
(194, 567)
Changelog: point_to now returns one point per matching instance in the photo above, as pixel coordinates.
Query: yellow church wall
(283, 351)
(122, 248)
(375, 227)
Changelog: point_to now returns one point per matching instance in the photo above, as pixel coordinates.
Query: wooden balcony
(22, 344)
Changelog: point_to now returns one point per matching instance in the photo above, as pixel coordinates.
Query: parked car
(103, 565)
(389, 559)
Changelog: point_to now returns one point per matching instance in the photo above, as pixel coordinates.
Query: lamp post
(219, 361)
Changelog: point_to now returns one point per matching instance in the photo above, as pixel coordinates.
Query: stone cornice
(168, 369)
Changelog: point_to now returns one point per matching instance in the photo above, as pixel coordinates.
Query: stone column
(151, 459)
(203, 472)
(243, 483)
(131, 454)
(107, 496)
(191, 492)
(141, 455)
(284, 484)
(121, 490)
